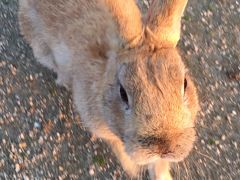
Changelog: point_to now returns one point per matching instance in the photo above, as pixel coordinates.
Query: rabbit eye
(123, 95)
(185, 84)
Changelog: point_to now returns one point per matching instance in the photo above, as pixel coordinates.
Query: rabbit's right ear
(163, 23)
(128, 18)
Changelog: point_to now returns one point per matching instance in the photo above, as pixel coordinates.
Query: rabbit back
(61, 32)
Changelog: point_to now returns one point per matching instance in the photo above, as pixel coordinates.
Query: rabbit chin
(146, 156)
(143, 159)
(140, 157)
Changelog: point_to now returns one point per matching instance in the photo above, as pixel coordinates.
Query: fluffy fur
(129, 83)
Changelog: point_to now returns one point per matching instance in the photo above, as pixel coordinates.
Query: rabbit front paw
(61, 81)
(159, 170)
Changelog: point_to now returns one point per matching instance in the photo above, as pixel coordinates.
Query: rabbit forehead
(155, 82)
(146, 70)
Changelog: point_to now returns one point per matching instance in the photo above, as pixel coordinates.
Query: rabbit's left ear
(163, 23)
(128, 18)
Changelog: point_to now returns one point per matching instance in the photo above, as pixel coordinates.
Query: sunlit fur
(94, 46)
(159, 109)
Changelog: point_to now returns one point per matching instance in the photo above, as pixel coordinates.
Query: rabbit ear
(163, 23)
(128, 18)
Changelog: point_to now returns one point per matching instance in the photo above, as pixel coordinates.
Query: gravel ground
(41, 136)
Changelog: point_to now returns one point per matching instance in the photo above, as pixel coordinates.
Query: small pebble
(22, 145)
(235, 144)
(221, 146)
(40, 140)
(91, 172)
(234, 112)
(25, 177)
(22, 136)
(60, 168)
(31, 77)
(17, 168)
(37, 125)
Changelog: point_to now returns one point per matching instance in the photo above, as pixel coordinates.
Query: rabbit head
(150, 101)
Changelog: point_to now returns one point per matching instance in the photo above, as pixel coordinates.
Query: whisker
(208, 157)
(178, 172)
(186, 169)
(144, 170)
(189, 171)
(140, 174)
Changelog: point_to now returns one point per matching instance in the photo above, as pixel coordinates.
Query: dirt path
(41, 137)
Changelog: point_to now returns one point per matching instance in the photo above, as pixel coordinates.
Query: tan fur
(128, 18)
(165, 26)
(101, 49)
(162, 167)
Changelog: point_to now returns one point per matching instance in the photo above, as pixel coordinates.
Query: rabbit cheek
(191, 99)
(112, 111)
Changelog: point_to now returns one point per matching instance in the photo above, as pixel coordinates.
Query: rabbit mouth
(143, 157)
(171, 157)
(148, 155)
(144, 154)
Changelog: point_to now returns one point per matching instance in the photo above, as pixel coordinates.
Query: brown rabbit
(129, 83)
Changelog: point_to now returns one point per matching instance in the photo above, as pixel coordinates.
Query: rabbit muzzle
(169, 146)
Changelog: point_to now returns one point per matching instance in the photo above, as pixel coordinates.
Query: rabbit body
(130, 88)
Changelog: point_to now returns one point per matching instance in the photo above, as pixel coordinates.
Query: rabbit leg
(159, 170)
(128, 165)
(43, 54)
(56, 58)
(62, 58)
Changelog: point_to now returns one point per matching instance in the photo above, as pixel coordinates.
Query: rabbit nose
(160, 144)
(176, 147)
